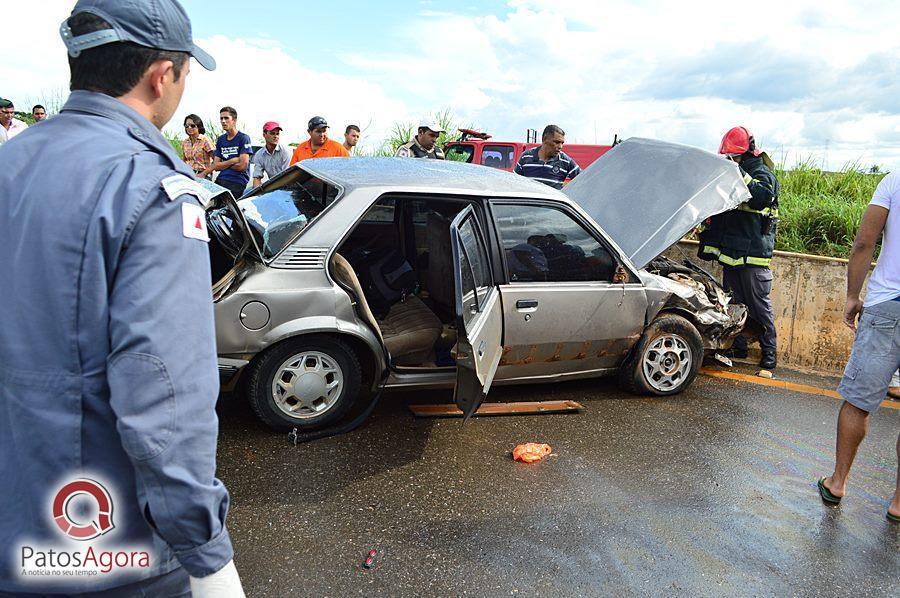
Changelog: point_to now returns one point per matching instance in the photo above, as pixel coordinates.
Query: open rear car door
(479, 313)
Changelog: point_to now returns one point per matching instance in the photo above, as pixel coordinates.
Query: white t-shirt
(884, 283)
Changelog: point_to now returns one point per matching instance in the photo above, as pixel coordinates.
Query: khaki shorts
(875, 357)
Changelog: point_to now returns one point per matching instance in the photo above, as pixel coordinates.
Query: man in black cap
(107, 415)
(318, 145)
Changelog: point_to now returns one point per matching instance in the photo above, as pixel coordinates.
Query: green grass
(820, 211)
(402, 132)
(175, 141)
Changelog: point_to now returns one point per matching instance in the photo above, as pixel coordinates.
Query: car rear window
(278, 216)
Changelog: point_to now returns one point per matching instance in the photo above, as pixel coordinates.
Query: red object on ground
(370, 559)
(531, 452)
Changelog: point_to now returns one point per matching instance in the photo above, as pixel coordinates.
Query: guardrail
(808, 293)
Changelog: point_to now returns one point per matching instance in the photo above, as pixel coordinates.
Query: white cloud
(34, 61)
(256, 76)
(263, 82)
(809, 77)
(786, 70)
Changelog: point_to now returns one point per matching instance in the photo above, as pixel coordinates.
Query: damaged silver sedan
(341, 277)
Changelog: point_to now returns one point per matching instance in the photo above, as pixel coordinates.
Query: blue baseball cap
(157, 24)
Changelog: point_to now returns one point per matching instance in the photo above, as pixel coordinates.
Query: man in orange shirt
(318, 145)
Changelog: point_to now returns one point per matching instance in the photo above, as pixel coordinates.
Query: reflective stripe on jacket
(745, 236)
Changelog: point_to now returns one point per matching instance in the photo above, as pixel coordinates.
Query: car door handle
(526, 303)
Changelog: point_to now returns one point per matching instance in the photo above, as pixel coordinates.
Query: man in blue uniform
(108, 377)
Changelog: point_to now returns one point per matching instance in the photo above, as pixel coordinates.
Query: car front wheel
(666, 358)
(305, 383)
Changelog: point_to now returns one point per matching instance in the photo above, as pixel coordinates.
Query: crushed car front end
(689, 290)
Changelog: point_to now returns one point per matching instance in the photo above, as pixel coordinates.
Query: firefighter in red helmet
(744, 238)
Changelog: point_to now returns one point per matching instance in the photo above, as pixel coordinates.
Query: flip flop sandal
(826, 494)
(894, 518)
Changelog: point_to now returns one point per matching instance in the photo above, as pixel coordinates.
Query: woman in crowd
(196, 149)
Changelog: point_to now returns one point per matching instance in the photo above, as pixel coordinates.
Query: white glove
(224, 583)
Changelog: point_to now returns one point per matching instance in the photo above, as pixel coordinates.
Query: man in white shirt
(9, 126)
(876, 348)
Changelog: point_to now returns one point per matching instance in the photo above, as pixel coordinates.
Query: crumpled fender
(718, 320)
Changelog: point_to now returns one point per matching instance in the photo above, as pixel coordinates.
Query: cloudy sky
(813, 80)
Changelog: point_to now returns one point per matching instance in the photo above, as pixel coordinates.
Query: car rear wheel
(305, 383)
(666, 358)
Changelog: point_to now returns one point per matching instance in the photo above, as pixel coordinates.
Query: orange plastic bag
(531, 452)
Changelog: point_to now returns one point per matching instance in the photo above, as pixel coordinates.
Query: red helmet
(738, 141)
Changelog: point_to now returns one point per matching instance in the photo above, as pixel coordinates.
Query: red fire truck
(476, 147)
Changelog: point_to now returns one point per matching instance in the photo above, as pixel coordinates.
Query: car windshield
(277, 217)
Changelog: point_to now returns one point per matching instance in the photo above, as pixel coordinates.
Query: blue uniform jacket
(107, 344)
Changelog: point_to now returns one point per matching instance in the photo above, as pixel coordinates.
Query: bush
(820, 211)
(402, 132)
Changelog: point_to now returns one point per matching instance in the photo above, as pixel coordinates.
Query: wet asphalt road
(709, 493)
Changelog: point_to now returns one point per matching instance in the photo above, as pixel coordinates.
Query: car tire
(666, 358)
(326, 370)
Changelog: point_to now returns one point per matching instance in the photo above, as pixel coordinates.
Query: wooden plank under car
(514, 408)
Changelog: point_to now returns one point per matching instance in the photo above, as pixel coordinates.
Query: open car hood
(648, 194)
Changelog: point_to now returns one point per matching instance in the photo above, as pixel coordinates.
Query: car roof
(435, 176)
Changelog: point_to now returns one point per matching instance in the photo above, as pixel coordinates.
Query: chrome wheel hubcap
(307, 384)
(667, 362)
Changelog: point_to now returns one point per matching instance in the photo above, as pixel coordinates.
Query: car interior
(398, 266)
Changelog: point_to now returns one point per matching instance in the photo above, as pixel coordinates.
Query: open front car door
(479, 313)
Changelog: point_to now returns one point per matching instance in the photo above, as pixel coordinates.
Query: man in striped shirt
(547, 163)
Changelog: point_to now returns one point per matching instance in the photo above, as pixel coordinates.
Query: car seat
(409, 330)
(439, 279)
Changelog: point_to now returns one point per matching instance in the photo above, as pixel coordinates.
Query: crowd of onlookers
(233, 159)
(232, 155)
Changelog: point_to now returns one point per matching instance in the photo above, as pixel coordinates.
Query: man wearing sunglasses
(9, 125)
(318, 145)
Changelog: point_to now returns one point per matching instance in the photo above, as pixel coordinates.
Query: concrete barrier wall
(808, 294)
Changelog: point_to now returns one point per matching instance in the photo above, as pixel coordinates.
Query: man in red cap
(744, 238)
(271, 159)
